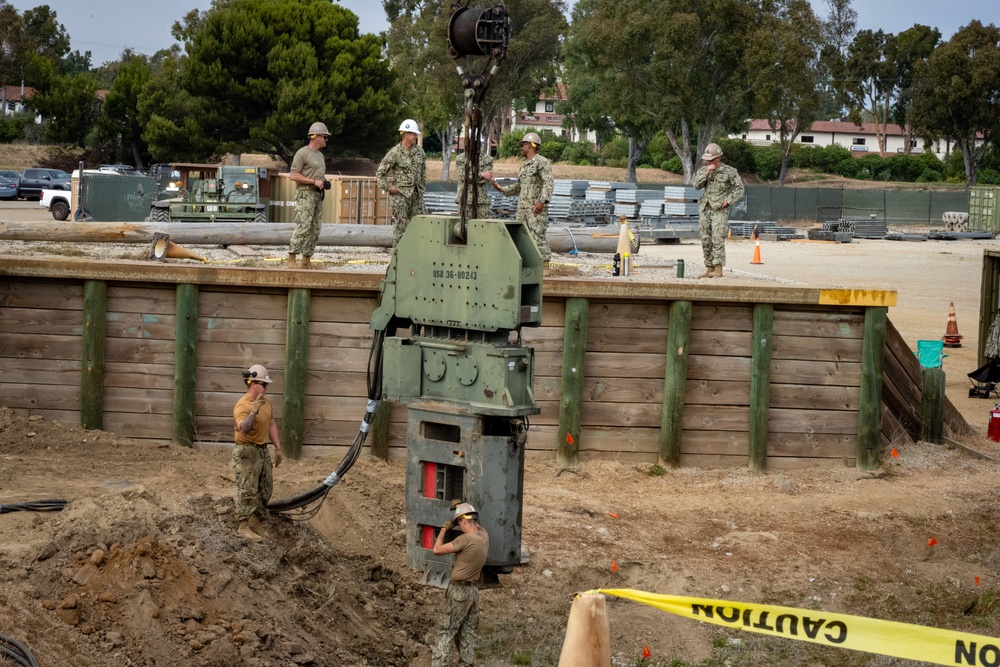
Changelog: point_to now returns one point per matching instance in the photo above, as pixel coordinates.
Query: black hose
(305, 505)
(34, 506)
(16, 651)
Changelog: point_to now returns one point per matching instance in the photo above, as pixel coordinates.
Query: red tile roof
(14, 93)
(839, 127)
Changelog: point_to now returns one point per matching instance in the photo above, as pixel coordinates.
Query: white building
(12, 99)
(544, 117)
(859, 139)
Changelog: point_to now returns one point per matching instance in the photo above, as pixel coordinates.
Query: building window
(550, 107)
(767, 137)
(859, 141)
(913, 143)
(807, 139)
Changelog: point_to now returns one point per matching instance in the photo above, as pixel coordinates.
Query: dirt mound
(143, 566)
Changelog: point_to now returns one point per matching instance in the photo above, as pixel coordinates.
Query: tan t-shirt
(471, 550)
(258, 435)
(309, 163)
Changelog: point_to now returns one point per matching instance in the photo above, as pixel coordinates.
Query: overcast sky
(107, 27)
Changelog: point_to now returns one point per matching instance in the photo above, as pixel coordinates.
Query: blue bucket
(929, 352)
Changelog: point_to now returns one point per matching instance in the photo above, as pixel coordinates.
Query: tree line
(674, 75)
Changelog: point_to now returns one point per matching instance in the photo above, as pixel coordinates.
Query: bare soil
(143, 567)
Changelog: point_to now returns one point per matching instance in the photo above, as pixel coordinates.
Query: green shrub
(848, 168)
(954, 166)
(12, 128)
(739, 154)
(930, 176)
(988, 177)
(615, 150)
(768, 161)
(580, 152)
(673, 165)
(905, 167)
(510, 144)
(827, 158)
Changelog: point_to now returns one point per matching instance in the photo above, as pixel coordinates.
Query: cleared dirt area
(143, 567)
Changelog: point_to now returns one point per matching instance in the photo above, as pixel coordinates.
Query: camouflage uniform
(723, 185)
(409, 175)
(308, 201)
(254, 472)
(534, 184)
(457, 619)
(484, 211)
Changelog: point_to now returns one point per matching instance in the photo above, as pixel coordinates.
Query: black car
(33, 181)
(12, 175)
(8, 188)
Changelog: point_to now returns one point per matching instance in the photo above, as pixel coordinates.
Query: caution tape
(899, 640)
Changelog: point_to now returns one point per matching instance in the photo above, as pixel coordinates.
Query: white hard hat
(318, 128)
(712, 151)
(410, 125)
(532, 138)
(465, 510)
(257, 373)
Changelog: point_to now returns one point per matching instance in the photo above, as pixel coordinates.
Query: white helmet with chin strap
(409, 125)
(465, 511)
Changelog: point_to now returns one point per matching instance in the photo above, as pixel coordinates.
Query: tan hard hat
(532, 138)
(409, 125)
(712, 151)
(318, 128)
(257, 373)
(465, 510)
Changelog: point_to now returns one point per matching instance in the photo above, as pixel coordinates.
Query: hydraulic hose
(305, 505)
(14, 650)
(34, 506)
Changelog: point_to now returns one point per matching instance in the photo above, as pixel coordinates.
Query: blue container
(929, 352)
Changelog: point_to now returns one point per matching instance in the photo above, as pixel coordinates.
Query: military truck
(206, 193)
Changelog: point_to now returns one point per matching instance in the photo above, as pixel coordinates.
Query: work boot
(255, 524)
(709, 272)
(717, 271)
(290, 261)
(306, 262)
(246, 532)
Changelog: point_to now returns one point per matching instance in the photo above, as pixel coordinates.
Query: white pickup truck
(60, 202)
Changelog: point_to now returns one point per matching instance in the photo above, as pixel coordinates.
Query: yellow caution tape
(899, 640)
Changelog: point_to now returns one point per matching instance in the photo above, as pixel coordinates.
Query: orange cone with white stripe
(951, 336)
(756, 253)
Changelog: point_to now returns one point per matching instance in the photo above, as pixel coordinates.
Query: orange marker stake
(895, 453)
(614, 565)
(977, 580)
(931, 542)
(645, 652)
(613, 516)
(569, 438)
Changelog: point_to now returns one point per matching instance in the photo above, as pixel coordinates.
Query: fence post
(185, 363)
(95, 329)
(296, 368)
(760, 383)
(573, 366)
(674, 383)
(870, 403)
(932, 405)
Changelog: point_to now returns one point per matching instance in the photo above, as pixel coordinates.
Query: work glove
(448, 525)
(259, 401)
(454, 503)
(278, 458)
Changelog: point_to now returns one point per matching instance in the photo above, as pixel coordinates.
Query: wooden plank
(317, 431)
(716, 418)
(720, 317)
(155, 426)
(544, 438)
(893, 430)
(141, 325)
(70, 418)
(675, 375)
(932, 414)
(40, 293)
(712, 461)
(839, 350)
(251, 304)
(705, 367)
(143, 401)
(726, 443)
(716, 392)
(793, 371)
(814, 397)
(720, 343)
(901, 407)
(234, 330)
(813, 421)
(41, 321)
(605, 414)
(818, 324)
(631, 315)
(788, 463)
(543, 339)
(26, 396)
(39, 372)
(141, 351)
(609, 390)
(811, 445)
(553, 312)
(627, 341)
(601, 364)
(900, 350)
(329, 308)
(40, 346)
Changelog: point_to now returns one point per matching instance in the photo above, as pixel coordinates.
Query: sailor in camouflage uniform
(485, 165)
(309, 174)
(723, 188)
(408, 164)
(534, 189)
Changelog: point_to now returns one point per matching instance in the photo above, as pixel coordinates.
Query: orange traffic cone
(756, 253)
(163, 247)
(951, 336)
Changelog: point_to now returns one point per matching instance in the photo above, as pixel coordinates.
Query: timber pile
(902, 394)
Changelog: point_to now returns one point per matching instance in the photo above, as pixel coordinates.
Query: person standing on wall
(459, 615)
(254, 427)
(408, 165)
(309, 174)
(723, 188)
(534, 190)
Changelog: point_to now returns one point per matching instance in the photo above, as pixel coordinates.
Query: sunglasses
(259, 384)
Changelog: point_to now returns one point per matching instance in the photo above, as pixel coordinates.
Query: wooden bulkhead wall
(690, 374)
